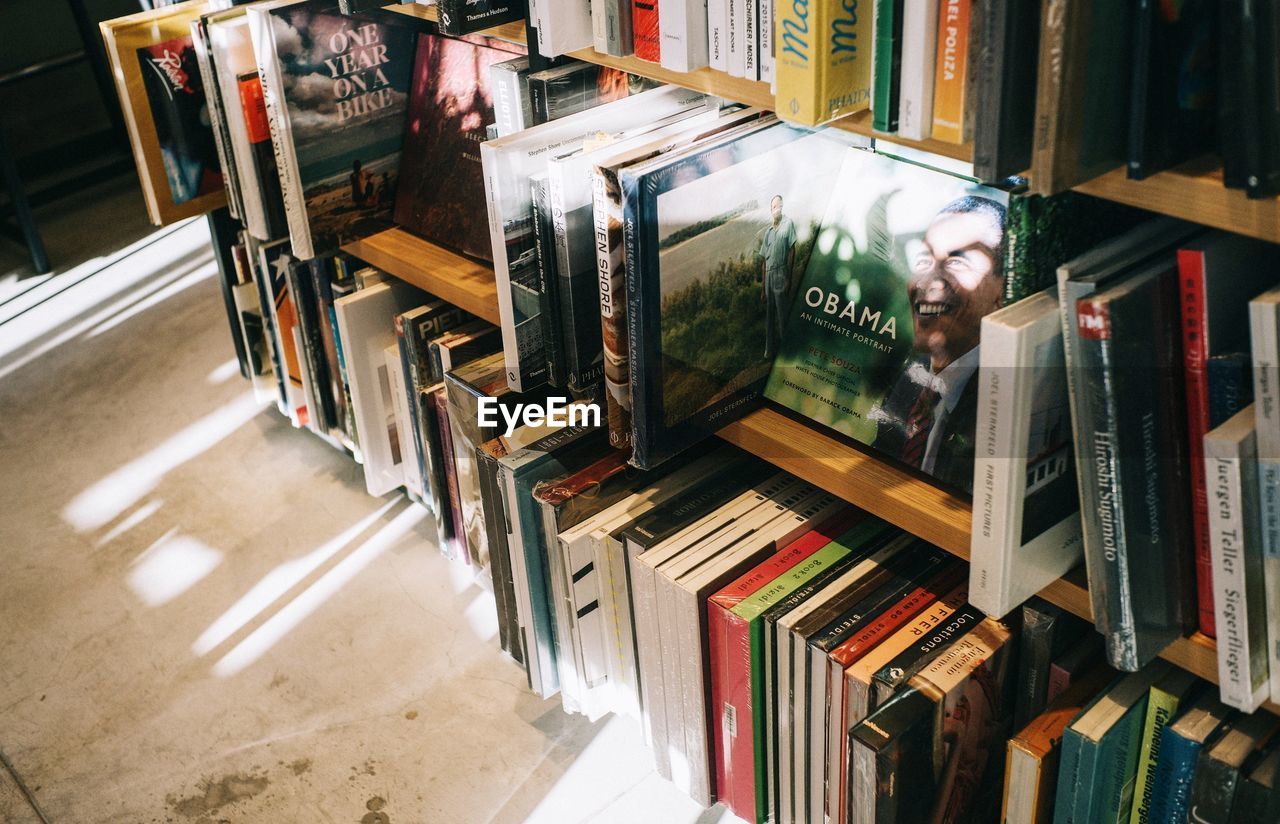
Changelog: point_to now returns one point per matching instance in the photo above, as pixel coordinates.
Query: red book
(729, 646)
(646, 42)
(853, 648)
(1217, 275)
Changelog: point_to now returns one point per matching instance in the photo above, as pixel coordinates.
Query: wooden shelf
(1193, 192)
(449, 276)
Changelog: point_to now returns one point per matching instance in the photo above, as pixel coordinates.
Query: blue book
(1180, 746)
(1100, 752)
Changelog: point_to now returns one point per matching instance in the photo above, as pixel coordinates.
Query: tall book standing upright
(1264, 324)
(951, 71)
(1134, 499)
(336, 97)
(821, 78)
(1239, 596)
(1026, 523)
(919, 50)
(1218, 274)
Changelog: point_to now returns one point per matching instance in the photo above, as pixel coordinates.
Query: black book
(912, 660)
(1219, 768)
(1005, 93)
(1175, 62)
(324, 417)
(1136, 497)
(459, 17)
(266, 171)
(1256, 796)
(495, 526)
(900, 734)
(548, 280)
(1047, 632)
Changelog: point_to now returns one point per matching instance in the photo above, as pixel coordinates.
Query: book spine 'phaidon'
(824, 56)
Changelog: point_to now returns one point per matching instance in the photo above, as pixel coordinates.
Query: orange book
(1031, 770)
(951, 71)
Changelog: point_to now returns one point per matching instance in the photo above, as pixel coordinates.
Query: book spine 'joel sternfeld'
(824, 56)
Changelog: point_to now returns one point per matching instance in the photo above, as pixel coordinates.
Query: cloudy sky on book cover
(346, 85)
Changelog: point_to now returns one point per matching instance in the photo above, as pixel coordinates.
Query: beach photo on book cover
(881, 338)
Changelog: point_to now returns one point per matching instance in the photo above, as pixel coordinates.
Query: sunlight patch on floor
(170, 567)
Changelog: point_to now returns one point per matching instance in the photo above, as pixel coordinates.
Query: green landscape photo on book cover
(882, 332)
(346, 86)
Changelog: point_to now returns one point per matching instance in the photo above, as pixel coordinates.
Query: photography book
(336, 90)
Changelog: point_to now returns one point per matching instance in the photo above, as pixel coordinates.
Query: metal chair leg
(22, 210)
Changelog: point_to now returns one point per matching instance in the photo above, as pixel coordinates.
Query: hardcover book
(1031, 771)
(824, 57)
(274, 260)
(1171, 122)
(163, 98)
(460, 17)
(1238, 575)
(508, 164)
(1221, 768)
(1165, 697)
(1264, 332)
(336, 95)
(882, 331)
(951, 104)
(1100, 750)
(366, 325)
(1218, 273)
(1135, 499)
(1026, 522)
(236, 70)
(887, 75)
(440, 193)
(1004, 97)
(576, 86)
(1180, 744)
(919, 51)
(707, 293)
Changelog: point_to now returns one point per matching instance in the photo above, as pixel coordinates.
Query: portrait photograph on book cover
(882, 331)
(725, 275)
(346, 89)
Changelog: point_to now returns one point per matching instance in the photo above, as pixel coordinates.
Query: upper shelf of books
(1193, 191)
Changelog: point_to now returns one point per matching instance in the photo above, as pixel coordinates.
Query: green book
(887, 71)
(1101, 747)
(1162, 706)
(782, 594)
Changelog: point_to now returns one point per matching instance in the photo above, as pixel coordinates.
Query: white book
(919, 49)
(736, 57)
(682, 29)
(1239, 588)
(751, 40)
(600, 26)
(508, 164)
(594, 565)
(233, 57)
(1264, 328)
(768, 61)
(564, 26)
(402, 446)
(1026, 513)
(644, 595)
(272, 77)
(717, 32)
(366, 326)
(217, 123)
(684, 773)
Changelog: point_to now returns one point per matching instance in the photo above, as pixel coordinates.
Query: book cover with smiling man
(882, 332)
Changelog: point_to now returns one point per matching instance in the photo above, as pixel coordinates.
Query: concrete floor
(204, 618)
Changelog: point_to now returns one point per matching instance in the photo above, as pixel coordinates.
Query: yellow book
(825, 52)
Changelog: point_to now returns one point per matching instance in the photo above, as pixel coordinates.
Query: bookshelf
(445, 274)
(1192, 192)
(823, 458)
